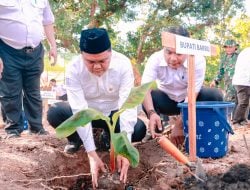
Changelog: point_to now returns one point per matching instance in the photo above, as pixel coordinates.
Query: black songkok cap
(94, 40)
(179, 30)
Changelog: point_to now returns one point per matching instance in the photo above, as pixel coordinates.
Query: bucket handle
(224, 121)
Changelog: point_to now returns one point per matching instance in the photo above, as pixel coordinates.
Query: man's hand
(96, 165)
(154, 124)
(123, 165)
(177, 135)
(1, 67)
(53, 53)
(50, 34)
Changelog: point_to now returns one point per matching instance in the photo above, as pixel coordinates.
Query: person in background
(241, 82)
(100, 78)
(44, 82)
(60, 90)
(22, 27)
(226, 70)
(171, 72)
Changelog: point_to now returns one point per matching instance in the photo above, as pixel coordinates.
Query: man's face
(52, 83)
(173, 59)
(97, 64)
(230, 49)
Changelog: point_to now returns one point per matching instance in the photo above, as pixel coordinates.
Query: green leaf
(124, 148)
(115, 118)
(79, 119)
(137, 95)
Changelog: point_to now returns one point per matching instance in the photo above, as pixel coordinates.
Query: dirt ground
(38, 162)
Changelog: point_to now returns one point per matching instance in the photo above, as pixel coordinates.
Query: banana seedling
(120, 144)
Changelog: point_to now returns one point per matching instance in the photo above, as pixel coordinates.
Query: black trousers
(63, 97)
(61, 111)
(20, 86)
(242, 103)
(164, 105)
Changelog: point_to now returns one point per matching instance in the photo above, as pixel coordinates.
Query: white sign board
(48, 94)
(190, 46)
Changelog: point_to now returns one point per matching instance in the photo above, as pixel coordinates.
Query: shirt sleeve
(86, 135)
(48, 17)
(128, 118)
(78, 102)
(150, 72)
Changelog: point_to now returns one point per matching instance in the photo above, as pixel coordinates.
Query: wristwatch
(150, 112)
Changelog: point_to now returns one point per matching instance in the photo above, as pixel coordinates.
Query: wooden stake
(191, 108)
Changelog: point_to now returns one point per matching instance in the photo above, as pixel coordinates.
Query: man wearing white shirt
(60, 90)
(99, 78)
(23, 24)
(241, 82)
(170, 71)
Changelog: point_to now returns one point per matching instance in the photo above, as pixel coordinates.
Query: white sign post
(190, 46)
(48, 94)
(48, 98)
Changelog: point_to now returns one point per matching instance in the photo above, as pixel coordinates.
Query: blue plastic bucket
(212, 127)
(25, 121)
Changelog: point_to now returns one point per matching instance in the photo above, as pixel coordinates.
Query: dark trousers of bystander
(242, 104)
(20, 87)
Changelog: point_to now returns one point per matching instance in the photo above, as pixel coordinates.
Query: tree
(197, 15)
(74, 15)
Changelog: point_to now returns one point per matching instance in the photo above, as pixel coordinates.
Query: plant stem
(112, 158)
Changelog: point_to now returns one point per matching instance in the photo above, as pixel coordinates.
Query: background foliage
(135, 25)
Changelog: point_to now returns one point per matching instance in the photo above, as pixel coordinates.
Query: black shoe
(39, 132)
(12, 134)
(72, 147)
(245, 122)
(105, 141)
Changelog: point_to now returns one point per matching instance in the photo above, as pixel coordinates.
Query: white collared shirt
(105, 94)
(22, 21)
(242, 69)
(173, 82)
(59, 89)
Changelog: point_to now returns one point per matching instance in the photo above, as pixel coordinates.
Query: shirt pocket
(112, 84)
(162, 74)
(112, 88)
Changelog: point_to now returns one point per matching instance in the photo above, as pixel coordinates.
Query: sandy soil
(38, 162)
